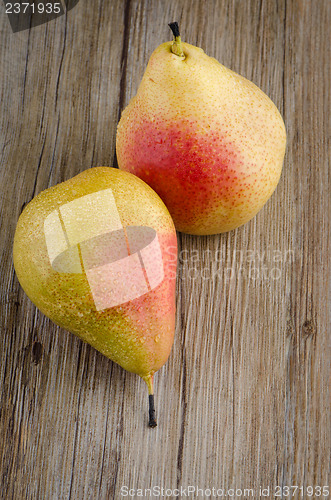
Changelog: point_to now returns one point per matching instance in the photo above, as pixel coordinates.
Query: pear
(207, 140)
(97, 255)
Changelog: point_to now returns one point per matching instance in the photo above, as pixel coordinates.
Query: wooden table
(243, 399)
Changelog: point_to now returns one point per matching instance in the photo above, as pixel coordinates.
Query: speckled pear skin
(138, 335)
(207, 140)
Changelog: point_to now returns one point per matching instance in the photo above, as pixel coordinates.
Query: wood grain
(243, 401)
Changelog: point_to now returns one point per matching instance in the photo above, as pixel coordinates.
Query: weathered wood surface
(243, 400)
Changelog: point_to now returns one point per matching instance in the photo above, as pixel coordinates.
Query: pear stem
(152, 415)
(151, 412)
(176, 47)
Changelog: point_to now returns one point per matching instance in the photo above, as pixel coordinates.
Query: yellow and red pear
(207, 140)
(97, 254)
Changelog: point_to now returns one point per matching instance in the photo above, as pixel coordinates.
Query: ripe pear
(97, 255)
(207, 140)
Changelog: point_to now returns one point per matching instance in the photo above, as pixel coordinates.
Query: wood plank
(243, 399)
(306, 100)
(61, 84)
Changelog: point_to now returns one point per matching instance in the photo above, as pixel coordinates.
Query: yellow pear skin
(206, 139)
(97, 255)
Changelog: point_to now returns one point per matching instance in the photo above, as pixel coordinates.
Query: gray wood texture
(243, 401)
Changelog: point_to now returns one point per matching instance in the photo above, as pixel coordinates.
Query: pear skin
(97, 255)
(206, 139)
